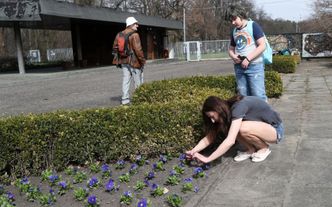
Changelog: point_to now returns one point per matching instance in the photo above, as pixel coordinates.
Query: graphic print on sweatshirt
(242, 39)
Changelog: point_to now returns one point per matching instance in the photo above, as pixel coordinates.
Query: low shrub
(33, 143)
(283, 64)
(186, 88)
(297, 58)
(273, 84)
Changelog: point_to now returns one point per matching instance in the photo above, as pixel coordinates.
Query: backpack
(267, 53)
(122, 43)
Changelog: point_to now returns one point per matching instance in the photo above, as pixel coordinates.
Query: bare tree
(323, 11)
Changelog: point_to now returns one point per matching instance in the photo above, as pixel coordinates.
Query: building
(92, 29)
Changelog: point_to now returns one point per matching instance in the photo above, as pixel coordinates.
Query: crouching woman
(247, 119)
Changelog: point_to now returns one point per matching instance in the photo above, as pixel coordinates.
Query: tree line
(205, 18)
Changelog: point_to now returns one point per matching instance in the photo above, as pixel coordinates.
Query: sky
(293, 10)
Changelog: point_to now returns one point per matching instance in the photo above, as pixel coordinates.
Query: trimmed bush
(33, 143)
(273, 84)
(282, 64)
(297, 58)
(185, 88)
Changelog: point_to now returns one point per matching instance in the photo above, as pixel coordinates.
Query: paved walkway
(299, 170)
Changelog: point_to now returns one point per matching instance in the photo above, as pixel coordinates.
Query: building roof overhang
(56, 14)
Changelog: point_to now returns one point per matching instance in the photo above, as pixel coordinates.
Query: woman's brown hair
(223, 108)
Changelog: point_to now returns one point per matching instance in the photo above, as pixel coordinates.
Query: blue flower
(196, 189)
(63, 184)
(93, 182)
(92, 200)
(10, 196)
(172, 173)
(150, 175)
(121, 162)
(25, 181)
(147, 183)
(188, 180)
(128, 194)
(105, 168)
(198, 170)
(143, 203)
(109, 185)
(154, 186)
(53, 178)
(51, 191)
(133, 168)
(154, 165)
(182, 157)
(163, 158)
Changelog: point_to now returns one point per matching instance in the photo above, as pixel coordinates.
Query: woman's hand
(200, 158)
(190, 154)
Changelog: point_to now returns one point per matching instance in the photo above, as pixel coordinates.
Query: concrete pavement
(298, 172)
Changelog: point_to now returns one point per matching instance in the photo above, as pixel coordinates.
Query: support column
(18, 41)
(79, 46)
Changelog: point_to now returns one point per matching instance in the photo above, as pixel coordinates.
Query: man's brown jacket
(136, 60)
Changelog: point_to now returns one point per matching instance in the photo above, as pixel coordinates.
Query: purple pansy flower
(128, 194)
(63, 184)
(188, 180)
(53, 178)
(10, 196)
(92, 200)
(105, 168)
(133, 168)
(93, 182)
(154, 186)
(172, 173)
(109, 185)
(143, 203)
(25, 181)
(163, 158)
(182, 157)
(147, 183)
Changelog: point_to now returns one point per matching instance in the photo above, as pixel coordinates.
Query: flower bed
(167, 181)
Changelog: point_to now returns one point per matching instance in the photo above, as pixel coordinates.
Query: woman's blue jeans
(130, 73)
(251, 81)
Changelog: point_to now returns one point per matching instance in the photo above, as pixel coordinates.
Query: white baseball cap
(130, 21)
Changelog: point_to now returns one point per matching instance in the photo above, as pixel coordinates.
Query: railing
(200, 50)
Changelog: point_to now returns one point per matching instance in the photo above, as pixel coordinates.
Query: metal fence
(200, 50)
(307, 44)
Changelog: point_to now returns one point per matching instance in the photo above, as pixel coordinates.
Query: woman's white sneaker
(241, 156)
(260, 156)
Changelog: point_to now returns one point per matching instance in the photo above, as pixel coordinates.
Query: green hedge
(33, 143)
(283, 64)
(184, 88)
(165, 118)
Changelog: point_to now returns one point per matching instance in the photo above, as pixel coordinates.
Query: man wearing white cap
(128, 54)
